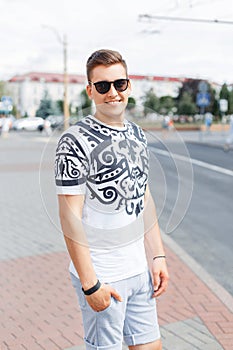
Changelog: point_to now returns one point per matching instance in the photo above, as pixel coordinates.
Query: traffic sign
(203, 86)
(7, 100)
(223, 105)
(6, 104)
(203, 99)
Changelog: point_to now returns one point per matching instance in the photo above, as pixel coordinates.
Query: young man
(108, 216)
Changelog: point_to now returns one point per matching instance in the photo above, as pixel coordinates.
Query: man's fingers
(161, 288)
(115, 294)
(157, 281)
(159, 291)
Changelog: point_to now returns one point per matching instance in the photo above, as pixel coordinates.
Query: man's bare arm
(154, 246)
(70, 212)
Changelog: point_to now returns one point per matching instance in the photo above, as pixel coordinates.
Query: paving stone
(188, 335)
(82, 347)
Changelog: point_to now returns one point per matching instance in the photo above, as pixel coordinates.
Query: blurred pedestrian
(167, 125)
(108, 215)
(47, 130)
(170, 124)
(1, 117)
(165, 122)
(5, 125)
(208, 121)
(229, 140)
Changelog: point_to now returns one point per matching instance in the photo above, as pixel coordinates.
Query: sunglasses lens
(121, 84)
(102, 87)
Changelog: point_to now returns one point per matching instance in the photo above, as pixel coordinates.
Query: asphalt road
(195, 207)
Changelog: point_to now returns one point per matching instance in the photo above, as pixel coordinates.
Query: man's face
(112, 104)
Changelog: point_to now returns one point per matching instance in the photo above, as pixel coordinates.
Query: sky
(29, 42)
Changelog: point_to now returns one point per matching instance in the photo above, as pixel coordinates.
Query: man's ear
(89, 91)
(129, 90)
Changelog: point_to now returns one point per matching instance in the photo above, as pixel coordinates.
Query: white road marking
(194, 161)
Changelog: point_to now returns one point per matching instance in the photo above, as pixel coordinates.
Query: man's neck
(110, 121)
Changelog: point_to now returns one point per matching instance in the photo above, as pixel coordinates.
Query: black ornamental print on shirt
(113, 164)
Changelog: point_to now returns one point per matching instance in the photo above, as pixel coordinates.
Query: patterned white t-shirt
(110, 167)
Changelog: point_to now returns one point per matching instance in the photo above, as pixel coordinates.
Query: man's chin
(112, 111)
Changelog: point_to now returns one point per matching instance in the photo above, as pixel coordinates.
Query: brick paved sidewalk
(38, 308)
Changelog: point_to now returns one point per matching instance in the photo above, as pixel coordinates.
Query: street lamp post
(65, 102)
(65, 75)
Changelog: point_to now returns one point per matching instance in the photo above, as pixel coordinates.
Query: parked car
(56, 121)
(30, 123)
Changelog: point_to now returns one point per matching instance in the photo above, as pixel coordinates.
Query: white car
(30, 123)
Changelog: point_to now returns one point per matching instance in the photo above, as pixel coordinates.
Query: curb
(207, 144)
(204, 276)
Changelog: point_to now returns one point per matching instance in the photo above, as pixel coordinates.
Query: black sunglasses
(104, 86)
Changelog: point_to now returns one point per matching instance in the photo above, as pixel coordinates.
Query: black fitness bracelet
(92, 289)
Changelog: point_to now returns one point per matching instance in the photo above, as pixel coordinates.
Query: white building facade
(28, 90)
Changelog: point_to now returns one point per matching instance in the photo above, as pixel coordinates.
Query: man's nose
(112, 91)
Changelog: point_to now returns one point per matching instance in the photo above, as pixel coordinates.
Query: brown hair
(106, 58)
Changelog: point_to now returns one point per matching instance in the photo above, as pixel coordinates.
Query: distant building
(28, 89)
(162, 86)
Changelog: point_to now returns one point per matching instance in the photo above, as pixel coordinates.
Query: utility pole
(64, 43)
(65, 101)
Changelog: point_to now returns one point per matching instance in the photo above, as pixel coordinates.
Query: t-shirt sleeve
(71, 165)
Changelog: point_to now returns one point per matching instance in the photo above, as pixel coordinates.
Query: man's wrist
(161, 256)
(93, 289)
(88, 282)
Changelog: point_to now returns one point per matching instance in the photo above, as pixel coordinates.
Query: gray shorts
(134, 319)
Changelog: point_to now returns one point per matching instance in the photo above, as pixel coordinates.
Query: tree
(131, 103)
(2, 88)
(191, 87)
(215, 109)
(59, 107)
(230, 102)
(45, 108)
(224, 92)
(186, 105)
(213, 106)
(166, 104)
(4, 91)
(14, 110)
(86, 103)
(151, 102)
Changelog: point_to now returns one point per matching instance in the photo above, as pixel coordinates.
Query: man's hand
(101, 299)
(160, 276)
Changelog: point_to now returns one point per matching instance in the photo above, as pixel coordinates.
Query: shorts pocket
(150, 282)
(107, 308)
